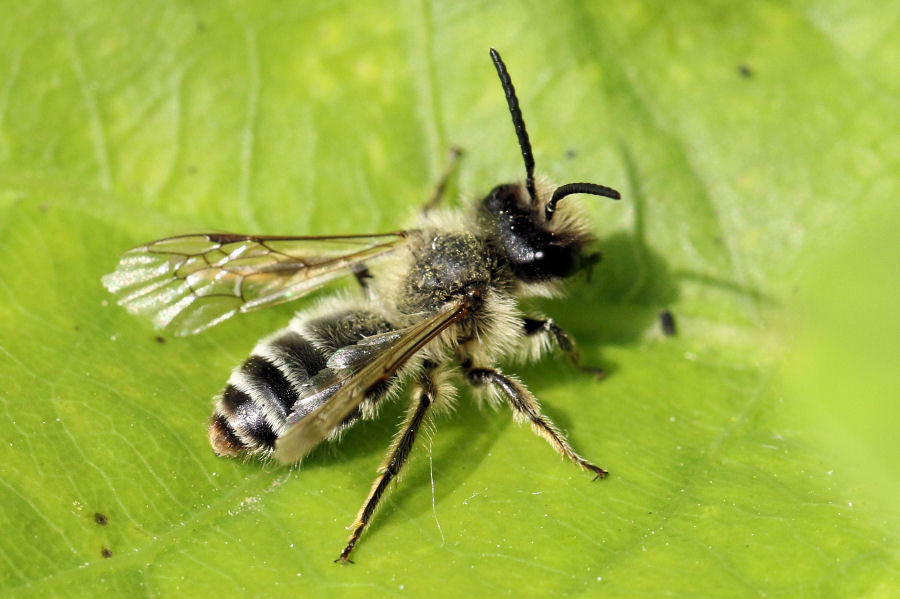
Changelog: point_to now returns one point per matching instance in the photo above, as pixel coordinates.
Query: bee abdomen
(250, 414)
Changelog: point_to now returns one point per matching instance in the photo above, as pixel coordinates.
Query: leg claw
(597, 470)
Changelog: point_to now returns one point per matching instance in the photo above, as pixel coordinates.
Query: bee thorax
(447, 266)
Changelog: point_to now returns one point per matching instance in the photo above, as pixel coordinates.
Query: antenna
(570, 188)
(518, 123)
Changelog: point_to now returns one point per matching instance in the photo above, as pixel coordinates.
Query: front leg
(526, 407)
(562, 339)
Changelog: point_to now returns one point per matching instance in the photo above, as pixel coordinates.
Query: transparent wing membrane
(192, 282)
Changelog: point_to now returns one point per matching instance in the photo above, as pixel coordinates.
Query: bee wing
(192, 282)
(306, 431)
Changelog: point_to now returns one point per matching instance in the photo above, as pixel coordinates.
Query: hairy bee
(442, 302)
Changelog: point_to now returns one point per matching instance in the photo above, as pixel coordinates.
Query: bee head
(521, 218)
(534, 249)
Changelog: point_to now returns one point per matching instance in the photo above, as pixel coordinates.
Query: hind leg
(424, 394)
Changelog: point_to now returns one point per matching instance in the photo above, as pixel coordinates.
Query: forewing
(192, 282)
(305, 431)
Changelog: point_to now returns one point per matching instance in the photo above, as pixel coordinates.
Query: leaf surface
(747, 140)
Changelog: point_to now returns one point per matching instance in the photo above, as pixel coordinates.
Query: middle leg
(361, 271)
(437, 194)
(526, 407)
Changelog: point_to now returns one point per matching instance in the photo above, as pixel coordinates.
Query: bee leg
(526, 407)
(362, 274)
(534, 327)
(437, 193)
(425, 393)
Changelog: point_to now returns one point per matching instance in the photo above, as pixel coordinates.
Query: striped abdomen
(250, 414)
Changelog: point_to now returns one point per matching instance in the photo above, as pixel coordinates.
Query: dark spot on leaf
(745, 71)
(667, 321)
(159, 339)
(101, 519)
(105, 552)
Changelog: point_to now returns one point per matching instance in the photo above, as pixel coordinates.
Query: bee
(439, 304)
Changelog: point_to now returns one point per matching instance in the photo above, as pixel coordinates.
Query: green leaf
(754, 145)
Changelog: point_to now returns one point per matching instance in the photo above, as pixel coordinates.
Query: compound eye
(556, 260)
(505, 200)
